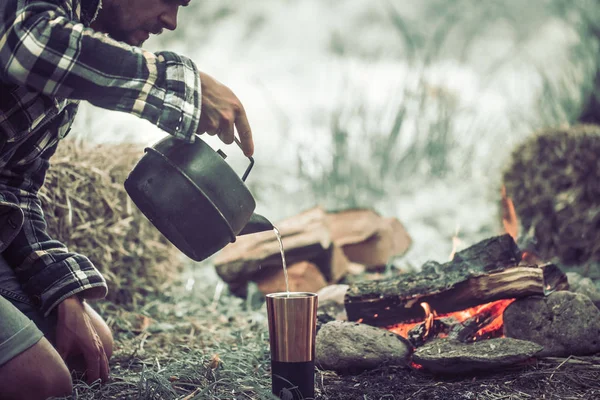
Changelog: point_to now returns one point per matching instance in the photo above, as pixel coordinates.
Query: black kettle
(193, 197)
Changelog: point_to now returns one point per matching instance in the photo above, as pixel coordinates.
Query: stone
(331, 304)
(349, 346)
(565, 323)
(333, 293)
(446, 356)
(585, 286)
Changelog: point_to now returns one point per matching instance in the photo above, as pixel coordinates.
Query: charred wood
(485, 272)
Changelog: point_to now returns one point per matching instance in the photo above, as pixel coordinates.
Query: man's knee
(37, 373)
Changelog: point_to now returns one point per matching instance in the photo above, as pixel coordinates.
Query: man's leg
(12, 291)
(30, 368)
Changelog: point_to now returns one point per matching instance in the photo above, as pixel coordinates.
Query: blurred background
(411, 108)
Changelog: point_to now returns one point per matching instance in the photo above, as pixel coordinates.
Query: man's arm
(47, 271)
(44, 49)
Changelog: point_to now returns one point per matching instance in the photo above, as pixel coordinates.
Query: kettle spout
(257, 223)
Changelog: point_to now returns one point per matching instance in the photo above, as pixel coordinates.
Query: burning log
(485, 324)
(485, 272)
(438, 328)
(477, 323)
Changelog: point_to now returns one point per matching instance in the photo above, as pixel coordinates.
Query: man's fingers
(243, 128)
(226, 132)
(92, 371)
(93, 360)
(104, 369)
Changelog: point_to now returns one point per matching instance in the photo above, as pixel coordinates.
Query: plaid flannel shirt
(50, 60)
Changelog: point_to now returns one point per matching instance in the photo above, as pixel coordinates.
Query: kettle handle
(250, 158)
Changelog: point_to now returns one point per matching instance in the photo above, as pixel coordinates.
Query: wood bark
(366, 238)
(303, 276)
(305, 237)
(485, 272)
(324, 239)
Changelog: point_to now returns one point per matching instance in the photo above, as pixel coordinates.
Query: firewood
(306, 237)
(303, 276)
(367, 238)
(467, 330)
(482, 273)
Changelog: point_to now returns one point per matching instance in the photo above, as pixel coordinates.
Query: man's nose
(169, 18)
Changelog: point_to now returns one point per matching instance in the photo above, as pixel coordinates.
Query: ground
(197, 341)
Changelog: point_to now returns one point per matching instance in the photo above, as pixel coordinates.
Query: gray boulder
(344, 346)
(565, 323)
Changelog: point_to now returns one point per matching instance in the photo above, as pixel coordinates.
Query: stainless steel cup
(292, 333)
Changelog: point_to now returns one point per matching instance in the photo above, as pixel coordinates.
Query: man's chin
(134, 41)
(140, 37)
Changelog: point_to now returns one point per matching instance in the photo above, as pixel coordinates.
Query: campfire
(489, 271)
(487, 308)
(475, 323)
(491, 305)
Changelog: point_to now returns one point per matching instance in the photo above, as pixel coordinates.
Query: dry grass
(87, 208)
(554, 181)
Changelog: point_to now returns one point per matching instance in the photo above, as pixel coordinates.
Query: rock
(585, 286)
(333, 293)
(330, 311)
(565, 323)
(446, 356)
(331, 304)
(348, 346)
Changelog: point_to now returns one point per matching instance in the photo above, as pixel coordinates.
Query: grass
(199, 342)
(183, 342)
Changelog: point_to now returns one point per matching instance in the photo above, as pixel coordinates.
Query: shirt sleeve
(44, 49)
(47, 271)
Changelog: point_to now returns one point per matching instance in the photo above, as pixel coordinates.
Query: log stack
(320, 248)
(488, 271)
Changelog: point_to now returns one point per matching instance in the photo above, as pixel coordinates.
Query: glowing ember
(494, 308)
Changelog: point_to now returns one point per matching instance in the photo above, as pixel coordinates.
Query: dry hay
(87, 208)
(554, 182)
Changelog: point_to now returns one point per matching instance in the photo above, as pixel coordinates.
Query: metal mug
(292, 333)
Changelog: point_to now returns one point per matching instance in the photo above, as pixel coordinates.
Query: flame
(494, 307)
(509, 215)
(455, 242)
(429, 318)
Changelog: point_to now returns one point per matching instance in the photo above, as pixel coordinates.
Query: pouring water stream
(285, 274)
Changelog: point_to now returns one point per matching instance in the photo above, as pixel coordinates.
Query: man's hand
(76, 335)
(221, 110)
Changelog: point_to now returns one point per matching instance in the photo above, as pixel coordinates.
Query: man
(53, 54)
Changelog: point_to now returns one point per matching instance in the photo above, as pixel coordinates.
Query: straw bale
(554, 181)
(87, 208)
